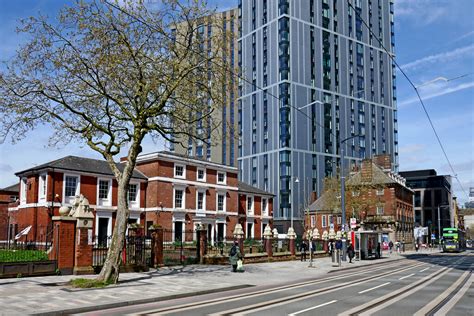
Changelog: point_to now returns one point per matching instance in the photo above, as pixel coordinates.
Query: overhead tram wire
(416, 90)
(236, 75)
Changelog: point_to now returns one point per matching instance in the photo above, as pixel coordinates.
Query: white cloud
(410, 149)
(437, 93)
(441, 57)
(422, 11)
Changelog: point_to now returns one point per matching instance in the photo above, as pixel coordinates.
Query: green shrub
(22, 255)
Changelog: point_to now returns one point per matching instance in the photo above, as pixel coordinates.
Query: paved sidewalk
(52, 295)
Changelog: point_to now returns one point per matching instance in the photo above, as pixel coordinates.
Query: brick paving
(51, 294)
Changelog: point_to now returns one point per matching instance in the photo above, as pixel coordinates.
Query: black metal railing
(27, 244)
(220, 246)
(180, 247)
(137, 250)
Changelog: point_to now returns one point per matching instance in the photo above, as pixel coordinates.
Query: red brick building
(45, 188)
(7, 195)
(184, 192)
(386, 203)
(171, 190)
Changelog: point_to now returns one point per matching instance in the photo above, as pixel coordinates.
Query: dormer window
(179, 171)
(221, 177)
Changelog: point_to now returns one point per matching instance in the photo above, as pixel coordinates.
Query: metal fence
(27, 244)
(137, 250)
(180, 247)
(281, 245)
(220, 246)
(254, 245)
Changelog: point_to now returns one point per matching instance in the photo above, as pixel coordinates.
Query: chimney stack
(366, 170)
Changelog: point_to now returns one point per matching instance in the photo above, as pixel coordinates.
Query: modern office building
(432, 191)
(221, 143)
(313, 77)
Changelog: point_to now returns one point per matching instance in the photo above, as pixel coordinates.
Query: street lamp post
(297, 181)
(343, 195)
(439, 224)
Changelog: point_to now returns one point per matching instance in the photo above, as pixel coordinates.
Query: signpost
(353, 222)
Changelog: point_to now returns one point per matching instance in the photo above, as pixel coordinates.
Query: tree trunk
(110, 270)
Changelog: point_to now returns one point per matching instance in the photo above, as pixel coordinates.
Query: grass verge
(87, 283)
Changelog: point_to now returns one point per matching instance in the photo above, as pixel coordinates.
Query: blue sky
(434, 38)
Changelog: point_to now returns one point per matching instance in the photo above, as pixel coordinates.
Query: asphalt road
(427, 285)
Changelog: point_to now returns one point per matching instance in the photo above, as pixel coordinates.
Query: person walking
(234, 256)
(397, 244)
(303, 248)
(379, 255)
(390, 246)
(350, 252)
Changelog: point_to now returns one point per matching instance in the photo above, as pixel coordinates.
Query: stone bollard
(291, 235)
(239, 237)
(268, 235)
(83, 249)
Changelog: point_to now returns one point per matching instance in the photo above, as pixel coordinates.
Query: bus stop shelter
(365, 243)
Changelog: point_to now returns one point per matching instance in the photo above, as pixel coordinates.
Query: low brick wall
(36, 268)
(260, 257)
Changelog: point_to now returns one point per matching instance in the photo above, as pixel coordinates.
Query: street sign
(433, 236)
(353, 222)
(331, 226)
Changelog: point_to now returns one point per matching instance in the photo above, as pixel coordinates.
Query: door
(102, 231)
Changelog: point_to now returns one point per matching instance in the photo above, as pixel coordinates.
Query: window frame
(225, 177)
(223, 194)
(23, 190)
(264, 206)
(203, 179)
(250, 211)
(136, 202)
(108, 200)
(323, 221)
(203, 192)
(183, 194)
(183, 176)
(378, 208)
(379, 192)
(69, 198)
(42, 186)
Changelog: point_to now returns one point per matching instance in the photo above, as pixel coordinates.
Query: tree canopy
(108, 74)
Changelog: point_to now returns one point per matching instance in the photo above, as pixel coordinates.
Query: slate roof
(378, 177)
(245, 188)
(80, 164)
(12, 188)
(320, 203)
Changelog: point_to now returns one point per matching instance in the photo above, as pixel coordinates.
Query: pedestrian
(331, 248)
(303, 248)
(390, 246)
(235, 256)
(379, 255)
(416, 246)
(350, 252)
(398, 246)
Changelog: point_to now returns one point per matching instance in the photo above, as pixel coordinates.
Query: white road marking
(395, 294)
(407, 276)
(311, 308)
(298, 297)
(449, 305)
(373, 288)
(237, 297)
(442, 296)
(424, 269)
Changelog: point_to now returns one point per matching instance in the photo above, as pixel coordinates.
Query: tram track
(283, 300)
